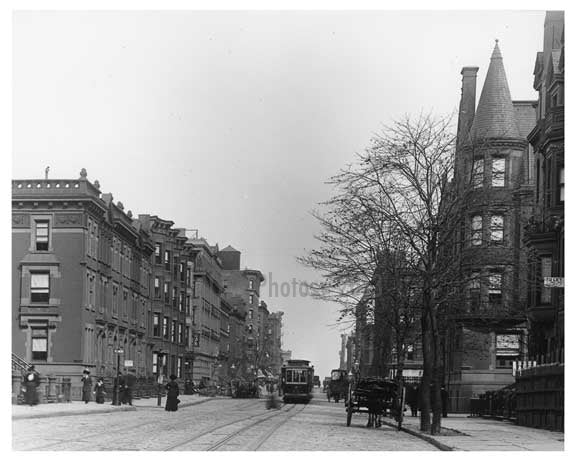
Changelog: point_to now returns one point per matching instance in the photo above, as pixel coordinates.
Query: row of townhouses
(94, 287)
(511, 154)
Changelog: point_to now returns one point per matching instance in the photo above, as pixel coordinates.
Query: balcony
(554, 122)
(542, 234)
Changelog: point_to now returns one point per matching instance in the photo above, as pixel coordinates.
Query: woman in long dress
(172, 393)
(86, 386)
(99, 390)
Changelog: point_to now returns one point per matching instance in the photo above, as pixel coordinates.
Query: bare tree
(397, 199)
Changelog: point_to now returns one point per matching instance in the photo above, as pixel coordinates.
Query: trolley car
(297, 381)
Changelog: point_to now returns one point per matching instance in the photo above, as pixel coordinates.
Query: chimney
(467, 103)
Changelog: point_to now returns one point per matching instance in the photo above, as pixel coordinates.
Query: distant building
(274, 345)
(169, 295)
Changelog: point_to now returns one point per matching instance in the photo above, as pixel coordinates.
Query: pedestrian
(120, 386)
(31, 381)
(172, 393)
(444, 397)
(129, 383)
(100, 390)
(86, 386)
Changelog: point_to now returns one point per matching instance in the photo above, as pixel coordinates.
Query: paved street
(219, 424)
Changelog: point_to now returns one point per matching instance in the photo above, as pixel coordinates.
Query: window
(250, 328)
(561, 185)
(40, 343)
(478, 173)
(42, 235)
(250, 314)
(476, 237)
(507, 349)
(125, 304)
(188, 304)
(180, 334)
(497, 228)
(182, 301)
(187, 337)
(410, 352)
(498, 171)
(40, 287)
(174, 296)
(166, 292)
(174, 330)
(546, 269)
(156, 325)
(154, 362)
(179, 367)
(251, 284)
(251, 299)
(156, 287)
(165, 332)
(495, 288)
(167, 260)
(474, 291)
(157, 254)
(115, 300)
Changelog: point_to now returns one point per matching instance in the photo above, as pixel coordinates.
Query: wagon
(370, 395)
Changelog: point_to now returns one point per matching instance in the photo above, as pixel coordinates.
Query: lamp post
(115, 394)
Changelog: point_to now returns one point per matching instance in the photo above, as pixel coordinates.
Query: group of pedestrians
(413, 397)
(124, 384)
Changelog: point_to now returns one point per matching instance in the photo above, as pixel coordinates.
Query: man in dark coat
(31, 381)
(129, 383)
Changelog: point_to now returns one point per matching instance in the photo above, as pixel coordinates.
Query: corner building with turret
(486, 332)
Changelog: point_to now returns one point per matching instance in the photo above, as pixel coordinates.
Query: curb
(73, 413)
(99, 411)
(431, 440)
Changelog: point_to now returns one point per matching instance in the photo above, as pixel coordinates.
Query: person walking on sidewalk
(31, 381)
(86, 386)
(129, 383)
(99, 391)
(172, 393)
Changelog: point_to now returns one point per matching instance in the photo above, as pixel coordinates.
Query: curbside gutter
(427, 438)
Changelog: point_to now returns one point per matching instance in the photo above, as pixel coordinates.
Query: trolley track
(228, 437)
(90, 435)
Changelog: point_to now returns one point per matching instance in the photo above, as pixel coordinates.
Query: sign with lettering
(554, 282)
(128, 363)
(508, 344)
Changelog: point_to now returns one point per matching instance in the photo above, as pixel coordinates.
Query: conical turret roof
(495, 116)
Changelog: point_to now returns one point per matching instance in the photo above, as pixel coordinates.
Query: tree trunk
(427, 368)
(437, 375)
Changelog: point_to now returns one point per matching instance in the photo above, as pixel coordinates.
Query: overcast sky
(230, 122)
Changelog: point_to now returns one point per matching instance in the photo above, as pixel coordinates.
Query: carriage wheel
(349, 414)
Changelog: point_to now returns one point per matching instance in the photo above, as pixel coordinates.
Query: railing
(19, 365)
(500, 404)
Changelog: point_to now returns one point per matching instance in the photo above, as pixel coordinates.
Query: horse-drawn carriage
(375, 396)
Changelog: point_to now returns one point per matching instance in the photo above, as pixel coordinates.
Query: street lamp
(115, 394)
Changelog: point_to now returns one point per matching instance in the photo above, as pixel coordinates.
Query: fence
(499, 404)
(541, 397)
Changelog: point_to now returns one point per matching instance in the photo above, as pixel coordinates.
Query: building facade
(545, 231)
(80, 280)
(487, 331)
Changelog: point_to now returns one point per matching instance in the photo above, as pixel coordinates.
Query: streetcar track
(271, 431)
(97, 434)
(212, 429)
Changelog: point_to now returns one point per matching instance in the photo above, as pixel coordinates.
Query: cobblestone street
(220, 424)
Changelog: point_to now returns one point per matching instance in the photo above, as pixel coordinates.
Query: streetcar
(297, 381)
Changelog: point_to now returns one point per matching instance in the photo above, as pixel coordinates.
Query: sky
(230, 122)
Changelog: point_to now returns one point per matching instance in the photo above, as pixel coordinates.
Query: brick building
(169, 297)
(206, 309)
(80, 279)
(274, 344)
(545, 232)
(487, 330)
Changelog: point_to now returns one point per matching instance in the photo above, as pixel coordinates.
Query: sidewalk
(48, 410)
(480, 434)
